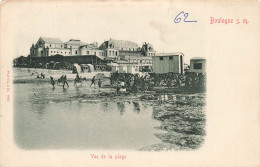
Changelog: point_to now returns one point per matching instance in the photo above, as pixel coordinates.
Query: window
(141, 61)
(76, 52)
(170, 57)
(61, 46)
(69, 52)
(161, 58)
(65, 52)
(50, 45)
(51, 51)
(87, 52)
(94, 53)
(197, 66)
(60, 52)
(54, 51)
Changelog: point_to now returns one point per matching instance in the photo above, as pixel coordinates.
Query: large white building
(110, 49)
(52, 46)
(120, 49)
(114, 49)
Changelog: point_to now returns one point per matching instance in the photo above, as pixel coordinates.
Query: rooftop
(123, 41)
(120, 43)
(51, 40)
(75, 42)
(198, 58)
(169, 54)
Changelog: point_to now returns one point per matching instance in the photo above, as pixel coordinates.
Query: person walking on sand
(93, 81)
(77, 76)
(162, 99)
(52, 82)
(159, 99)
(117, 88)
(166, 98)
(65, 81)
(99, 83)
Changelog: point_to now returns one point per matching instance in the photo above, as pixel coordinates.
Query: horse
(79, 80)
(60, 80)
(63, 79)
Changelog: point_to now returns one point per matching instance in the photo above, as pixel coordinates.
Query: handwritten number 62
(178, 19)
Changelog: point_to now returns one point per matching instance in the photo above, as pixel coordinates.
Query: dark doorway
(181, 64)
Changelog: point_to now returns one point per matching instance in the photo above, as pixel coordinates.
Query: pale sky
(137, 22)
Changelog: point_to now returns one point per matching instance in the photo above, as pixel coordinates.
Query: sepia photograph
(116, 95)
(123, 83)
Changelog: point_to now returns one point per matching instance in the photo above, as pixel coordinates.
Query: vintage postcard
(129, 83)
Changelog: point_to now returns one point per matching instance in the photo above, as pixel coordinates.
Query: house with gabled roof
(46, 46)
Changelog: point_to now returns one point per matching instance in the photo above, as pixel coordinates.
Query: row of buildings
(110, 49)
(121, 54)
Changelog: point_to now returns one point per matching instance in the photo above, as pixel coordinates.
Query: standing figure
(77, 75)
(117, 88)
(93, 81)
(111, 78)
(159, 99)
(65, 81)
(52, 82)
(99, 83)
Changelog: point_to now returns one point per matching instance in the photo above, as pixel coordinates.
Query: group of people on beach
(130, 82)
(39, 75)
(127, 82)
(64, 81)
(195, 80)
(93, 81)
(136, 82)
(162, 99)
